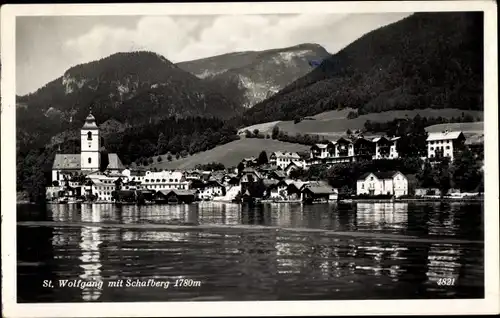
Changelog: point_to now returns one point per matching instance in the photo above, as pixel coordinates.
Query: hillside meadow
(334, 123)
(229, 154)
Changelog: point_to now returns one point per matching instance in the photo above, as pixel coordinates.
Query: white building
(161, 180)
(444, 144)
(382, 183)
(385, 148)
(283, 159)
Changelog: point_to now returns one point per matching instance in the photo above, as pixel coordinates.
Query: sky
(46, 46)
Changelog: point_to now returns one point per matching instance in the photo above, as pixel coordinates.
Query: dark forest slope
(428, 60)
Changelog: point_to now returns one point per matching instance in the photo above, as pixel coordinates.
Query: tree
(268, 136)
(426, 176)
(240, 167)
(275, 132)
(442, 176)
(248, 133)
(262, 159)
(104, 159)
(255, 132)
(158, 159)
(169, 157)
(352, 115)
(348, 132)
(297, 119)
(466, 173)
(150, 161)
(161, 144)
(177, 156)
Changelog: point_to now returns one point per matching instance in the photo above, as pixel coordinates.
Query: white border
(8, 193)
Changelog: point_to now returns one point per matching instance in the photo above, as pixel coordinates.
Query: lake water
(226, 251)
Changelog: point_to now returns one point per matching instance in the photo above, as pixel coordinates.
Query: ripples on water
(251, 263)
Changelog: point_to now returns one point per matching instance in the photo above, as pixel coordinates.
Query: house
(445, 144)
(159, 180)
(279, 189)
(363, 147)
(249, 162)
(283, 159)
(210, 189)
(385, 147)
(266, 169)
(319, 151)
(294, 166)
(250, 175)
(174, 196)
(145, 195)
(382, 183)
(318, 192)
(277, 175)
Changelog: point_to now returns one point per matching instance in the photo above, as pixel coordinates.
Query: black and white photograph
(209, 155)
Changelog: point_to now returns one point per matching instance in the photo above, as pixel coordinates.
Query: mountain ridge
(252, 76)
(425, 60)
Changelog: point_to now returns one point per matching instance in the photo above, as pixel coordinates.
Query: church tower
(90, 156)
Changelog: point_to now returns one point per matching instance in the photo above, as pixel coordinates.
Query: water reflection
(264, 264)
(90, 257)
(382, 216)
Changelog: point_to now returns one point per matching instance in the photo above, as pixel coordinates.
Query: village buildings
(392, 183)
(345, 150)
(81, 175)
(445, 144)
(283, 159)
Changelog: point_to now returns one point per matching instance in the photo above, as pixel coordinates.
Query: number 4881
(446, 282)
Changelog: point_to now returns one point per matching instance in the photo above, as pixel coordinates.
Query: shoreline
(344, 201)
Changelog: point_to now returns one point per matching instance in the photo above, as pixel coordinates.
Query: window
(447, 147)
(432, 148)
(169, 180)
(90, 160)
(157, 180)
(371, 178)
(362, 186)
(89, 135)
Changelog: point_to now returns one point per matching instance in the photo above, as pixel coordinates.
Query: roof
(298, 184)
(320, 189)
(66, 161)
(444, 135)
(178, 192)
(320, 146)
(90, 122)
(114, 162)
(286, 154)
(379, 175)
(279, 173)
(72, 162)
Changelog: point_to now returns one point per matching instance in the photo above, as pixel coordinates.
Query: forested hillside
(428, 60)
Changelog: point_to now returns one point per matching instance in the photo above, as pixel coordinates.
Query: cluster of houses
(80, 175)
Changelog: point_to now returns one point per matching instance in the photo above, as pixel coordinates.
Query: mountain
(428, 60)
(252, 76)
(132, 88)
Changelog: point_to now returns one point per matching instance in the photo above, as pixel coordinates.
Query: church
(87, 162)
